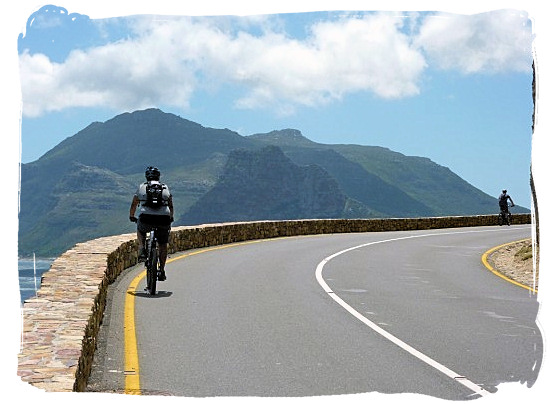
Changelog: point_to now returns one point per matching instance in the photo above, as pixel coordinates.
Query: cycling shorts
(163, 230)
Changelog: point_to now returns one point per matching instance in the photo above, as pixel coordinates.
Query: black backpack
(154, 195)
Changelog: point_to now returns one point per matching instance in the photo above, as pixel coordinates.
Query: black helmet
(152, 174)
(504, 191)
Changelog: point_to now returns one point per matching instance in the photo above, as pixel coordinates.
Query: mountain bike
(152, 262)
(505, 217)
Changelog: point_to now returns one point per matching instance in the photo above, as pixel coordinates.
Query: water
(28, 283)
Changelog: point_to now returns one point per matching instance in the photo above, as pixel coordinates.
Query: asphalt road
(275, 318)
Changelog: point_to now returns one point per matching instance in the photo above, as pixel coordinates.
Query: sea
(30, 273)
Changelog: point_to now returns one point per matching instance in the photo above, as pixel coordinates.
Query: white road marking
(426, 359)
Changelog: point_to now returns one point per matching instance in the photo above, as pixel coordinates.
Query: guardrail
(61, 323)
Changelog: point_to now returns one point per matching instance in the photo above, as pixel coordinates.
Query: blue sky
(452, 87)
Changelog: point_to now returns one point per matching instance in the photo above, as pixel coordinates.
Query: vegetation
(525, 252)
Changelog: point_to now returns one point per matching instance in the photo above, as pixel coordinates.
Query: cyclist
(160, 217)
(503, 201)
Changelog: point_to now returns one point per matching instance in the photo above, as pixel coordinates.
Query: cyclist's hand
(171, 219)
(512, 205)
(133, 219)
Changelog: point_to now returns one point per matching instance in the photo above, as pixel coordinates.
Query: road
(392, 312)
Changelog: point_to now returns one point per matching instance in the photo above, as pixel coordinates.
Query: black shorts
(146, 223)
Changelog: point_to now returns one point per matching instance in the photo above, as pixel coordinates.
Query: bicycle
(152, 264)
(505, 217)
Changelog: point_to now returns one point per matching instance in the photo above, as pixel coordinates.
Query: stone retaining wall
(61, 323)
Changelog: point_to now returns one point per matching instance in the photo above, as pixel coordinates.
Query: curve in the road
(443, 369)
(131, 370)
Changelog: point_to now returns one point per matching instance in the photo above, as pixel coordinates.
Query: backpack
(153, 192)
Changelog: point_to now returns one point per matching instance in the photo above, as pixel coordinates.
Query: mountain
(275, 188)
(434, 185)
(119, 148)
(85, 201)
(82, 188)
(389, 182)
(127, 142)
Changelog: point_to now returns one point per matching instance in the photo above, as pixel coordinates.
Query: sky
(450, 81)
(452, 87)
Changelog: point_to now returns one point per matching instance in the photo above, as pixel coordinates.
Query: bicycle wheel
(152, 272)
(148, 264)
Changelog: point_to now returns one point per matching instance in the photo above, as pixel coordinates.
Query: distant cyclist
(503, 201)
(155, 210)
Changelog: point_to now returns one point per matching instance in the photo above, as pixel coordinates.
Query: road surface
(391, 312)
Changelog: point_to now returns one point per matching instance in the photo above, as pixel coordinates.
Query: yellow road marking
(484, 259)
(131, 362)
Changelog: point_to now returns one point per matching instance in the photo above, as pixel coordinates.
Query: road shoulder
(515, 261)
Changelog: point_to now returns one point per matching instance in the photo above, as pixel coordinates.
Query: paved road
(254, 320)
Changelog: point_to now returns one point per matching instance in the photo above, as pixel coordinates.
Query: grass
(525, 252)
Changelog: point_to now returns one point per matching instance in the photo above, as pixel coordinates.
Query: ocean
(28, 282)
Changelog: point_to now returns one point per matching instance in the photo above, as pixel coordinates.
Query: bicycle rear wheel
(152, 270)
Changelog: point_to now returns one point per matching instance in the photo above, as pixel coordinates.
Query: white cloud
(489, 42)
(339, 58)
(169, 59)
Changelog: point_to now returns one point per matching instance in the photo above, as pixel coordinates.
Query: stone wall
(61, 323)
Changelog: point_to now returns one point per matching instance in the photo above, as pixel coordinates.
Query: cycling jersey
(503, 200)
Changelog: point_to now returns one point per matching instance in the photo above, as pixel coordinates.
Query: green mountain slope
(434, 185)
(86, 200)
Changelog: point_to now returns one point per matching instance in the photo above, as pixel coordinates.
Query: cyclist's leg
(151, 265)
(162, 236)
(142, 230)
(163, 254)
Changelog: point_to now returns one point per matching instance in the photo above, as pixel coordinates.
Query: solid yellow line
(131, 361)
(484, 259)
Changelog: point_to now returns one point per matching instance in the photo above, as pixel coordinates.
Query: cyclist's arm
(133, 207)
(171, 207)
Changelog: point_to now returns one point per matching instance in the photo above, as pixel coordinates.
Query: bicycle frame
(504, 217)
